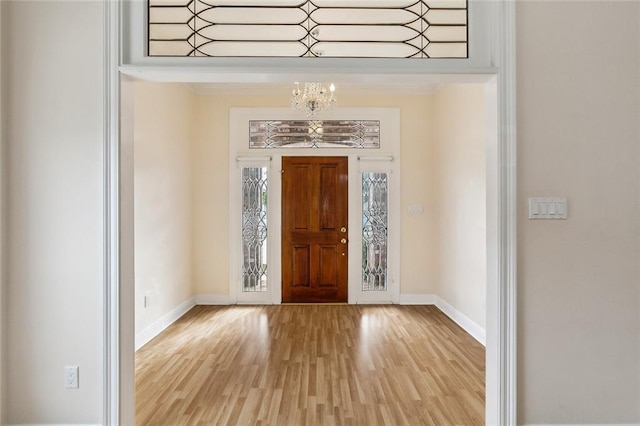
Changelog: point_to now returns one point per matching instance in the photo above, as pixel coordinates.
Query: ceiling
(285, 88)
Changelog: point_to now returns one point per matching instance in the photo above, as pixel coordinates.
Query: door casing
(386, 158)
(501, 392)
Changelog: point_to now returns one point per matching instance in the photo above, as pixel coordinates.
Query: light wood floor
(313, 365)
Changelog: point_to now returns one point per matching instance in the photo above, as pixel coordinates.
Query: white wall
(3, 223)
(126, 247)
(163, 139)
(459, 198)
(579, 280)
(578, 115)
(54, 114)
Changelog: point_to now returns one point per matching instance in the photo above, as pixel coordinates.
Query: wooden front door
(314, 229)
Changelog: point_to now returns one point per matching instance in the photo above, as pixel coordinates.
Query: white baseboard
(163, 322)
(463, 321)
(212, 299)
(456, 316)
(418, 299)
(582, 424)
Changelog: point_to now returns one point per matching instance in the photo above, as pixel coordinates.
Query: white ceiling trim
(211, 83)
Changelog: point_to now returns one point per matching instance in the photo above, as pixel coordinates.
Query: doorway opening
(489, 174)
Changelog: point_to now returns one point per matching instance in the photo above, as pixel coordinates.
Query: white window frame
(240, 155)
(235, 239)
(380, 164)
(134, 50)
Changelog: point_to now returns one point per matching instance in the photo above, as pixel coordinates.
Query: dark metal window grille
(375, 211)
(254, 229)
(298, 28)
(314, 134)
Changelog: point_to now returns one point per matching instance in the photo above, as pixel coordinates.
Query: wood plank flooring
(311, 365)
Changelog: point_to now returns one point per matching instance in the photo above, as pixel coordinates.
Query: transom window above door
(315, 28)
(314, 134)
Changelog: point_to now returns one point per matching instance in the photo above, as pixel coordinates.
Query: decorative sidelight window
(254, 229)
(314, 134)
(299, 28)
(375, 210)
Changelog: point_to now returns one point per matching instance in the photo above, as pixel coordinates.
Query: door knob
(343, 229)
(343, 241)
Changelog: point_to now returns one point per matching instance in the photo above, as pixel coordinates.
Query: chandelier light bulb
(313, 99)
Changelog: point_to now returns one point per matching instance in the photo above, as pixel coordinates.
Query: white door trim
(391, 166)
(501, 297)
(386, 158)
(111, 179)
(501, 355)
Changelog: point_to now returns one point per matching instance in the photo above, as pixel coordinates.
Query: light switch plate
(548, 208)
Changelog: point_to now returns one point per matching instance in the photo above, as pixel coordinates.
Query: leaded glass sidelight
(375, 211)
(254, 229)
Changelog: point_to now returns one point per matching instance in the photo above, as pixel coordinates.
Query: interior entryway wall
(163, 153)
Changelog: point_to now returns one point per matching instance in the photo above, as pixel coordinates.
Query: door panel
(301, 272)
(314, 209)
(329, 261)
(299, 196)
(328, 189)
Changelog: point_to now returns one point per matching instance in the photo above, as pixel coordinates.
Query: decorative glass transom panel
(298, 28)
(375, 208)
(254, 229)
(314, 134)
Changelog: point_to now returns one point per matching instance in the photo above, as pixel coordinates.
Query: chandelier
(313, 99)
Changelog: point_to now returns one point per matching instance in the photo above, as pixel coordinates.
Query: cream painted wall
(211, 188)
(54, 113)
(459, 194)
(417, 267)
(163, 140)
(211, 182)
(579, 280)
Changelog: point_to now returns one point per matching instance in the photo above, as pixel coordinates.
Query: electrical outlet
(71, 377)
